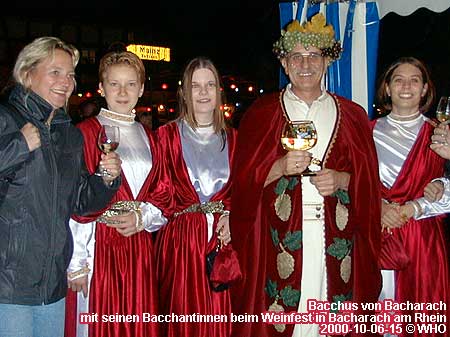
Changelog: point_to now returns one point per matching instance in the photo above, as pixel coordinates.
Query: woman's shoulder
(89, 127)
(167, 128)
(91, 122)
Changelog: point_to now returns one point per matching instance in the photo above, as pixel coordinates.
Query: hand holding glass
(300, 135)
(107, 141)
(443, 110)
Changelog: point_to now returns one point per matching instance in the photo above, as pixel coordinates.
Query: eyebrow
(400, 75)
(212, 81)
(306, 53)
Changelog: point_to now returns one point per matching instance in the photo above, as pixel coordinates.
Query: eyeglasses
(297, 58)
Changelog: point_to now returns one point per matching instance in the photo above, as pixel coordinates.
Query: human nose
(122, 90)
(304, 61)
(203, 90)
(406, 83)
(66, 80)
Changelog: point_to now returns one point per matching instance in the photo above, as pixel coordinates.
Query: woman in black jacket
(41, 158)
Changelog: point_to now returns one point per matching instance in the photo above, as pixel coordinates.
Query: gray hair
(36, 52)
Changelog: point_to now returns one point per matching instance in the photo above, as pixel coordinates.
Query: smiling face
(121, 87)
(54, 79)
(305, 68)
(406, 89)
(204, 94)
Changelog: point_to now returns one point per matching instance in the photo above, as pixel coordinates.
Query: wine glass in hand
(300, 135)
(443, 110)
(107, 141)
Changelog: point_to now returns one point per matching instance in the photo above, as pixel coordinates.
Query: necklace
(116, 116)
(205, 125)
(404, 118)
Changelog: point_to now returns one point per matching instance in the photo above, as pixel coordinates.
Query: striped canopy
(356, 25)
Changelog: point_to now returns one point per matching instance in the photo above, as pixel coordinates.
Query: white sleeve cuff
(441, 206)
(83, 242)
(152, 217)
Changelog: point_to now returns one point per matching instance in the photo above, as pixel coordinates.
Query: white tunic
(314, 274)
(135, 153)
(207, 162)
(394, 140)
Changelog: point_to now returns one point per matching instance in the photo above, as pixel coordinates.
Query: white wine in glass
(443, 109)
(108, 141)
(299, 135)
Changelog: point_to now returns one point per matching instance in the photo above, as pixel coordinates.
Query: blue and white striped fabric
(354, 74)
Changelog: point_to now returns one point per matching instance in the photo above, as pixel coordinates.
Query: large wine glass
(443, 110)
(300, 135)
(108, 141)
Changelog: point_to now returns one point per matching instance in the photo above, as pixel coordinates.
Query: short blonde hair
(36, 52)
(121, 57)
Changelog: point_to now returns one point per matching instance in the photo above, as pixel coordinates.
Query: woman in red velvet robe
(407, 166)
(199, 160)
(113, 263)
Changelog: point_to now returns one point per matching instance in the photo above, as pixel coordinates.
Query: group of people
(367, 225)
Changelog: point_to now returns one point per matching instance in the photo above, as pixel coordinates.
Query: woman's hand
(79, 284)
(440, 141)
(223, 229)
(124, 224)
(329, 181)
(112, 164)
(434, 191)
(32, 136)
(394, 215)
(391, 217)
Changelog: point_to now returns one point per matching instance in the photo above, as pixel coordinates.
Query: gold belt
(204, 207)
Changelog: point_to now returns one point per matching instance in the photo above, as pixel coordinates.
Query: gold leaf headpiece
(314, 33)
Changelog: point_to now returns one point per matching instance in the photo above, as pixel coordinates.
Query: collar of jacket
(34, 107)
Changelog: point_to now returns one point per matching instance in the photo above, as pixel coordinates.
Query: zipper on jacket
(51, 255)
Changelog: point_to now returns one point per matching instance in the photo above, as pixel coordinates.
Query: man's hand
(293, 163)
(329, 181)
(32, 136)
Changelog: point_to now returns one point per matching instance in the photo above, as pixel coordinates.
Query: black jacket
(50, 184)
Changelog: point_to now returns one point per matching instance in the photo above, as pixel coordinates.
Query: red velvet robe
(182, 248)
(124, 278)
(426, 278)
(253, 219)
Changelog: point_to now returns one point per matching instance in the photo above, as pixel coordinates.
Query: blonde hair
(36, 52)
(121, 57)
(185, 102)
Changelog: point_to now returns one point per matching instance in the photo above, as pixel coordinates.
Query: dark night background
(238, 35)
